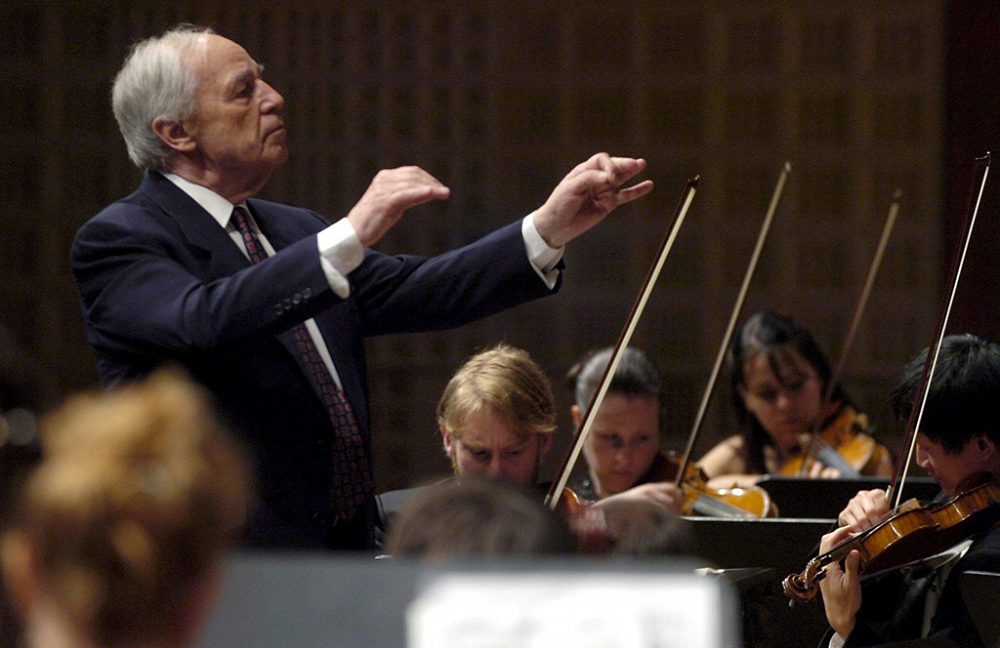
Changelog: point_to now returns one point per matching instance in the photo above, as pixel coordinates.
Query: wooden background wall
(499, 100)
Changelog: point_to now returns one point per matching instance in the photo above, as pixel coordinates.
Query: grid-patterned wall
(499, 100)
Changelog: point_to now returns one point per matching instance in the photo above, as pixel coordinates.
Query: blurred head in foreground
(118, 535)
(479, 518)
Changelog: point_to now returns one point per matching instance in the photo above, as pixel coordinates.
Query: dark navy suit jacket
(160, 282)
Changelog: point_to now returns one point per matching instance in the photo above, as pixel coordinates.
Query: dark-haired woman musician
(623, 449)
(779, 376)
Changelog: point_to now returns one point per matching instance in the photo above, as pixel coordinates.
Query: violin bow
(553, 497)
(699, 418)
(852, 330)
(930, 363)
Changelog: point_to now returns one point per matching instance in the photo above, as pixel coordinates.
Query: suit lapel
(206, 239)
(201, 232)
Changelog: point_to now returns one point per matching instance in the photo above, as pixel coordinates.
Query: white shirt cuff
(542, 257)
(340, 252)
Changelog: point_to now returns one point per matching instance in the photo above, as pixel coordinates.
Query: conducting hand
(391, 193)
(586, 195)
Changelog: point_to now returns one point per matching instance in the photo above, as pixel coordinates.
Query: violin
(700, 499)
(843, 444)
(587, 525)
(910, 535)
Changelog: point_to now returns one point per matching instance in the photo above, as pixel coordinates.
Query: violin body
(700, 499)
(587, 525)
(844, 444)
(751, 501)
(912, 534)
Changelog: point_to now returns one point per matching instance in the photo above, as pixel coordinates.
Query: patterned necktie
(352, 480)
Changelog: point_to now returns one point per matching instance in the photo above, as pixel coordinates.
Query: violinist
(958, 443)
(497, 419)
(497, 416)
(623, 449)
(779, 376)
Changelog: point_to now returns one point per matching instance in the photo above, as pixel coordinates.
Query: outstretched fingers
(628, 194)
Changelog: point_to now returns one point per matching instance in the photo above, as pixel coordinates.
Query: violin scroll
(802, 588)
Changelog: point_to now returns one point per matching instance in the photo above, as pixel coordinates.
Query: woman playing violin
(779, 377)
(623, 450)
(958, 442)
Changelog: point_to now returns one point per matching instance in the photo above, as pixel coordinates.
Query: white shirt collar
(219, 208)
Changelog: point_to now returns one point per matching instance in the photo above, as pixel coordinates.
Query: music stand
(826, 498)
(981, 592)
(317, 601)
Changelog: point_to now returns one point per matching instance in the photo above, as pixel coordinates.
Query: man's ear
(576, 415)
(174, 135)
(545, 443)
(449, 447)
(985, 446)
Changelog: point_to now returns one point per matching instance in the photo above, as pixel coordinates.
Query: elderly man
(267, 305)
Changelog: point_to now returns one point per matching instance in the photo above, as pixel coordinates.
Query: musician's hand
(865, 510)
(818, 471)
(841, 588)
(665, 494)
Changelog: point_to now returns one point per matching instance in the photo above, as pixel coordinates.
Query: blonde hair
(137, 495)
(507, 382)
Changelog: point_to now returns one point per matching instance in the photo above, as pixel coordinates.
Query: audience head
(778, 375)
(639, 527)
(625, 436)
(119, 530)
(481, 518)
(959, 432)
(497, 416)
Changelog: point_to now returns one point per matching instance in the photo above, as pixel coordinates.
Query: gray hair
(154, 82)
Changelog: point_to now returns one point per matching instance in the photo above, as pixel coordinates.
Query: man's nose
(494, 471)
(272, 101)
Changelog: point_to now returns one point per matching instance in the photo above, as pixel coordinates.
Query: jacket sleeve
(143, 288)
(408, 293)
